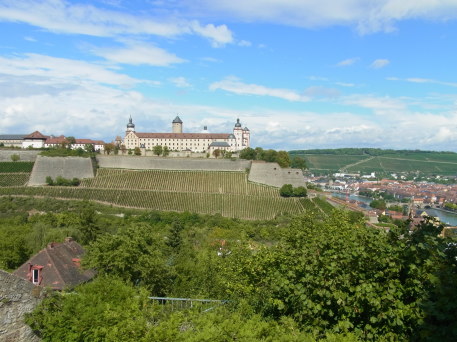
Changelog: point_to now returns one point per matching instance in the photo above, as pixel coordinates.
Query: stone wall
(273, 174)
(25, 155)
(17, 297)
(161, 163)
(66, 167)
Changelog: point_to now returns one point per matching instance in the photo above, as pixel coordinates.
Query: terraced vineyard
(15, 173)
(179, 181)
(227, 193)
(14, 179)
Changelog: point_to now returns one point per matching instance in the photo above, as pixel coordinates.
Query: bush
(287, 190)
(60, 181)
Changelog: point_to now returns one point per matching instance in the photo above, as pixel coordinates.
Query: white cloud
(138, 53)
(180, 82)
(379, 63)
(423, 80)
(61, 16)
(63, 70)
(234, 85)
(365, 16)
(347, 62)
(244, 43)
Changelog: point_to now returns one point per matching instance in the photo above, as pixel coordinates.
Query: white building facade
(194, 142)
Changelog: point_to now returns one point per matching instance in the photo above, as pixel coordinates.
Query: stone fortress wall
(17, 297)
(160, 163)
(272, 174)
(24, 155)
(66, 167)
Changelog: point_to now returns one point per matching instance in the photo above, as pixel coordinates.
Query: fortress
(193, 142)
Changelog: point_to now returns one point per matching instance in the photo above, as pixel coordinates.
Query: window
(35, 276)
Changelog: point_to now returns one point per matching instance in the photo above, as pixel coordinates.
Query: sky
(300, 74)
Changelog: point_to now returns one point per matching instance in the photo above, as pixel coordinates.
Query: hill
(367, 160)
(228, 193)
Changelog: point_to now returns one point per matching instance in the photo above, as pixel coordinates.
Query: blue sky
(299, 74)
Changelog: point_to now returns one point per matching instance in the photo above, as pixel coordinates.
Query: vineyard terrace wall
(160, 163)
(66, 167)
(5, 155)
(272, 174)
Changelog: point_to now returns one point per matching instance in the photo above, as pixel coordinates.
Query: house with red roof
(57, 266)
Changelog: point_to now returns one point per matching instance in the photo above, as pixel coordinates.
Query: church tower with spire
(130, 126)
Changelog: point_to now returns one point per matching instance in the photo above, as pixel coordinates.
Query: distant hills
(367, 160)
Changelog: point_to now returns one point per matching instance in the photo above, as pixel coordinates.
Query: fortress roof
(36, 135)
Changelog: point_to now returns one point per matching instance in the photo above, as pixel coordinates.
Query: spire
(238, 124)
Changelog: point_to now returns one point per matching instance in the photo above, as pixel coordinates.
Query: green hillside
(377, 160)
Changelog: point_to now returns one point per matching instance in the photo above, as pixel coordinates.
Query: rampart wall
(24, 155)
(17, 297)
(272, 174)
(66, 167)
(161, 163)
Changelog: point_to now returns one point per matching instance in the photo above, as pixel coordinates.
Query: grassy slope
(401, 161)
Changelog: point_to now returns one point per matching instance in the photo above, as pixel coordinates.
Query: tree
(216, 153)
(158, 149)
(106, 309)
(15, 157)
(248, 153)
(166, 151)
(286, 190)
(298, 162)
(300, 191)
(109, 147)
(123, 149)
(137, 151)
(378, 204)
(70, 141)
(89, 148)
(136, 254)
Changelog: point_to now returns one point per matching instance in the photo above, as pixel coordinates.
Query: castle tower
(176, 125)
(130, 126)
(238, 133)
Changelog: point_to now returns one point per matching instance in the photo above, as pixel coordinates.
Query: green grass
(385, 164)
(330, 162)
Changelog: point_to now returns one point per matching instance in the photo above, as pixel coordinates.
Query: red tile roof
(36, 135)
(58, 264)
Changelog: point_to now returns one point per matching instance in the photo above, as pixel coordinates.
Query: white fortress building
(194, 142)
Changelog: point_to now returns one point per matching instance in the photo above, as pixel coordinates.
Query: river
(444, 216)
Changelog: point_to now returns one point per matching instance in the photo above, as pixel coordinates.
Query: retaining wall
(25, 155)
(66, 167)
(272, 174)
(17, 297)
(161, 163)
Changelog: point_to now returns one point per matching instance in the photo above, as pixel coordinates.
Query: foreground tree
(109, 148)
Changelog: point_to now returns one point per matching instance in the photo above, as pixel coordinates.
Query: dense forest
(312, 277)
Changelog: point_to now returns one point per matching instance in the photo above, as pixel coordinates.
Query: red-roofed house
(57, 266)
(35, 140)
